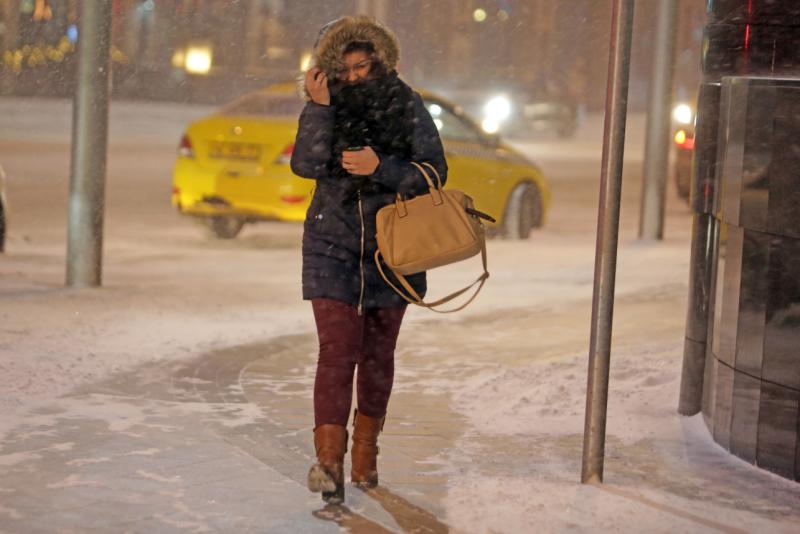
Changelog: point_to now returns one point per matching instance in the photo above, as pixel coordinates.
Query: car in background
(2, 210)
(233, 169)
(683, 119)
(233, 166)
(520, 110)
(530, 114)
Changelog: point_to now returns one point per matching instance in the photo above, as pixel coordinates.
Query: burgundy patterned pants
(348, 341)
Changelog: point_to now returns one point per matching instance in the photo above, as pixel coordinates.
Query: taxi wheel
(225, 227)
(523, 211)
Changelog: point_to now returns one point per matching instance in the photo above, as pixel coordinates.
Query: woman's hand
(317, 86)
(362, 162)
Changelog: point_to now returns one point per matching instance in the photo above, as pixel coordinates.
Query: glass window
(451, 126)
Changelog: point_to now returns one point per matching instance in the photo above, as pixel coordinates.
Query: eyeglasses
(361, 69)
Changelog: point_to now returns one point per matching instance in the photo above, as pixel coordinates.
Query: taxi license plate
(227, 150)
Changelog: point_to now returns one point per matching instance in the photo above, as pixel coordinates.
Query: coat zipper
(361, 264)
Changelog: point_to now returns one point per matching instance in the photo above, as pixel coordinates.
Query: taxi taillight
(683, 140)
(185, 149)
(286, 155)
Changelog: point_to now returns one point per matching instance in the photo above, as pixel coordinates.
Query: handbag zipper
(361, 263)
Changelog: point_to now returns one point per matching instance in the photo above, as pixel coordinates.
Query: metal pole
(657, 143)
(89, 142)
(594, 433)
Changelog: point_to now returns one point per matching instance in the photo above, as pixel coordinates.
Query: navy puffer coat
(332, 247)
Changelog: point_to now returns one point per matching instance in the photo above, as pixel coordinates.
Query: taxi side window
(451, 126)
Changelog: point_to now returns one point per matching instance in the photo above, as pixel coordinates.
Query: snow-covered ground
(171, 293)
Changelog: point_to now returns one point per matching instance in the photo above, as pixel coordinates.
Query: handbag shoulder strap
(414, 298)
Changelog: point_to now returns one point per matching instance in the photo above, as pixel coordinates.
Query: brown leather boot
(364, 455)
(327, 475)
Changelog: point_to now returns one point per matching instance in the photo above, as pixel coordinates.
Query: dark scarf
(378, 113)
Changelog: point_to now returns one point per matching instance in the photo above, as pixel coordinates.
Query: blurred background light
(498, 108)
(179, 58)
(683, 113)
(490, 125)
(198, 59)
(479, 15)
(305, 61)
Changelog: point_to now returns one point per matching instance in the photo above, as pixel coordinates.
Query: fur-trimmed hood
(336, 35)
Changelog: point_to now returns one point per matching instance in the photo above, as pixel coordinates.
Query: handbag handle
(435, 190)
(416, 299)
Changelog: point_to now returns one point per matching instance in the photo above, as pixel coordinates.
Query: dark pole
(89, 142)
(594, 433)
(656, 153)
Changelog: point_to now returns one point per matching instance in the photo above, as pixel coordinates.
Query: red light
(293, 199)
(683, 140)
(747, 37)
(185, 149)
(286, 156)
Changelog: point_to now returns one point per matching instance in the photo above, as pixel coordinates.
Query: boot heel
(334, 497)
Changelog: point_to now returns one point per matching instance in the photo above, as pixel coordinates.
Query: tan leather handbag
(429, 231)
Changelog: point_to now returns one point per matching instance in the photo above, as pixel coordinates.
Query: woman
(357, 137)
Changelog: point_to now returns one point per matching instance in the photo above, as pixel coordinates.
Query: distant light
(479, 15)
(198, 59)
(490, 125)
(435, 110)
(72, 33)
(502, 15)
(305, 61)
(498, 108)
(683, 114)
(179, 59)
(438, 123)
(680, 137)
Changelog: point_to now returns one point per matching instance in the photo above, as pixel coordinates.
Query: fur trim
(336, 35)
(328, 53)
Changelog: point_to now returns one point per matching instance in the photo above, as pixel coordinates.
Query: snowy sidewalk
(484, 434)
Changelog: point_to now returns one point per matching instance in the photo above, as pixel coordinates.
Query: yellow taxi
(233, 167)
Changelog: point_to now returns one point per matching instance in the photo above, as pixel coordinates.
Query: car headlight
(683, 114)
(497, 109)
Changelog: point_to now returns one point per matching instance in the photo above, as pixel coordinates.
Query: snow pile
(547, 397)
